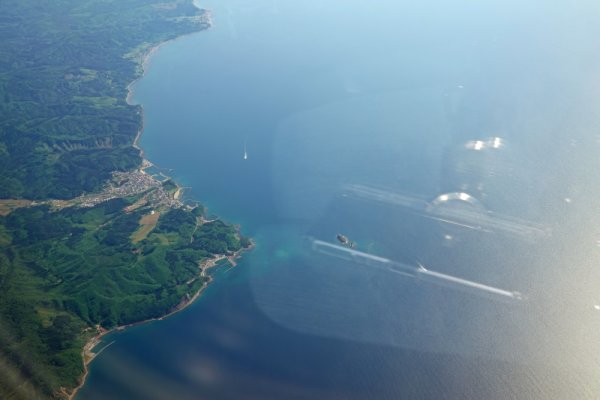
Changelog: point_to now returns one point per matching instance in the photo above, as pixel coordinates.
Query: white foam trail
(370, 193)
(418, 272)
(465, 285)
(477, 219)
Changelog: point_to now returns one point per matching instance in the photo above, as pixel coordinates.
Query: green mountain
(88, 241)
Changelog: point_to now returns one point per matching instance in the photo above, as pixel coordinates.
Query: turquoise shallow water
(329, 95)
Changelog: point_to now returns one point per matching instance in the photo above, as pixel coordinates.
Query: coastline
(144, 67)
(144, 63)
(87, 353)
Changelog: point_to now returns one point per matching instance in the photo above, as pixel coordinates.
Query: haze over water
(328, 97)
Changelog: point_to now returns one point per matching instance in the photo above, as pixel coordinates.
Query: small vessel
(245, 152)
(345, 241)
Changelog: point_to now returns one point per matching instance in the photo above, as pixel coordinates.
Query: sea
(454, 144)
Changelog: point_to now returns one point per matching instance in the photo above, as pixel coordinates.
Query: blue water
(327, 95)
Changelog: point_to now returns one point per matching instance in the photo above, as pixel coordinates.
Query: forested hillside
(107, 255)
(64, 70)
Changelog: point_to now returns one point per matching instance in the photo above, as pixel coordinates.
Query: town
(159, 192)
